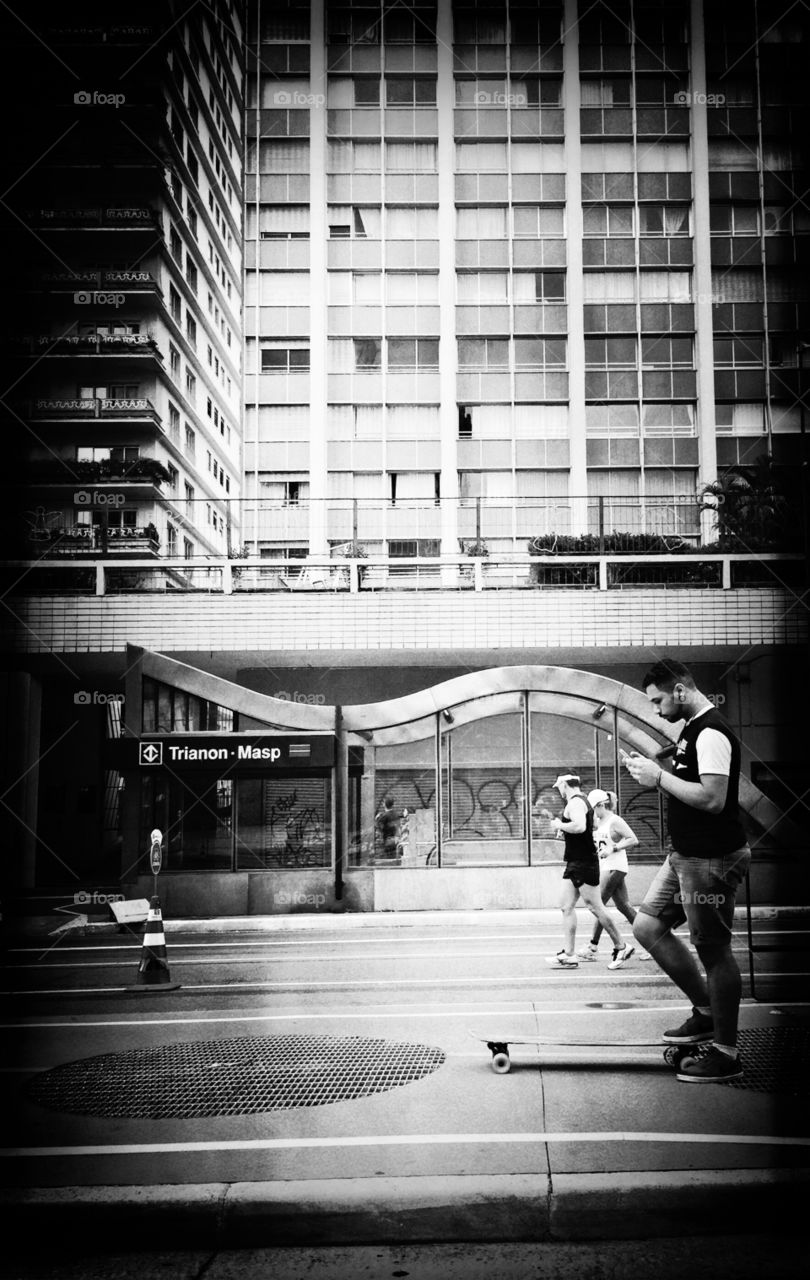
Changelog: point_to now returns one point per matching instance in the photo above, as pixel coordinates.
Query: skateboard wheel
(501, 1062)
(688, 1060)
(672, 1055)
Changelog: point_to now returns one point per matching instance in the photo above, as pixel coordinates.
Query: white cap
(598, 797)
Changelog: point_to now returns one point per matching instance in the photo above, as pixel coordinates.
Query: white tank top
(609, 859)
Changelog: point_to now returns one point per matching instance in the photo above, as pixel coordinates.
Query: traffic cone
(153, 970)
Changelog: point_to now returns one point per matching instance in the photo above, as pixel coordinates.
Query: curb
(360, 920)
(452, 1209)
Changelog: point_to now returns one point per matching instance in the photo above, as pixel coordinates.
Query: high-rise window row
(517, 250)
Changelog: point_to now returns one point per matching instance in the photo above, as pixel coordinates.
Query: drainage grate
(776, 1060)
(232, 1077)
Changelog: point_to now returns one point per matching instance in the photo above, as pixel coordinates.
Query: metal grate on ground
(776, 1060)
(232, 1077)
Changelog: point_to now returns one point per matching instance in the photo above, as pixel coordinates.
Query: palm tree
(753, 507)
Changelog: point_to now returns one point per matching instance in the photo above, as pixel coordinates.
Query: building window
(413, 353)
(190, 441)
(540, 353)
(367, 353)
(174, 362)
(608, 220)
(285, 359)
(610, 353)
(734, 353)
(407, 92)
(483, 353)
(191, 385)
(666, 351)
(663, 220)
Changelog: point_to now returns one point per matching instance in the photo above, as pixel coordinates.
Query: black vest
(693, 832)
(579, 845)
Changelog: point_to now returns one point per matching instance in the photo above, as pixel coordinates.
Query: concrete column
(317, 285)
(448, 357)
(704, 338)
(578, 479)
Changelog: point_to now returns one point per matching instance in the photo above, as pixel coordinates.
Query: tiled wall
(409, 620)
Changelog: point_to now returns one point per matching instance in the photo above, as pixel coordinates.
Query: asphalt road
(191, 1109)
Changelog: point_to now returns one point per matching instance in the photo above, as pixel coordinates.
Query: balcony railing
(137, 407)
(54, 574)
(143, 470)
(136, 344)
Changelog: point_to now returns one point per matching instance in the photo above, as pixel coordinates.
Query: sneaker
(620, 955)
(588, 952)
(562, 961)
(698, 1028)
(714, 1067)
(643, 955)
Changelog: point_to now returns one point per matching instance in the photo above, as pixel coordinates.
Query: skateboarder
(698, 880)
(612, 837)
(581, 875)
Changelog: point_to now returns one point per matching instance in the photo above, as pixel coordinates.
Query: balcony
(92, 541)
(101, 344)
(116, 410)
(68, 217)
(144, 472)
(118, 280)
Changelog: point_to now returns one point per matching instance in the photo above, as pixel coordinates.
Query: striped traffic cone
(153, 970)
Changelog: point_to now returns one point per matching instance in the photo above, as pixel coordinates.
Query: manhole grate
(232, 1077)
(776, 1059)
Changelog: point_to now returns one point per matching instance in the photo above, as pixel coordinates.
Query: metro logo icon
(150, 753)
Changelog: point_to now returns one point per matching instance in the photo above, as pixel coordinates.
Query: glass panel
(392, 804)
(483, 807)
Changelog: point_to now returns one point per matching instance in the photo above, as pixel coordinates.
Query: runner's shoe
(621, 955)
(588, 952)
(698, 1028)
(714, 1067)
(562, 961)
(643, 955)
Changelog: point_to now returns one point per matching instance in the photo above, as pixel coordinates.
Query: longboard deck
(566, 1042)
(618, 1052)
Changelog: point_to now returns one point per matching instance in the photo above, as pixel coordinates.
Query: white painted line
(403, 1140)
(355, 941)
(235, 987)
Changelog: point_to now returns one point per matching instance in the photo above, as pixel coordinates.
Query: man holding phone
(699, 878)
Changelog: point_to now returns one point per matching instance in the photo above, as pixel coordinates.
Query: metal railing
(223, 575)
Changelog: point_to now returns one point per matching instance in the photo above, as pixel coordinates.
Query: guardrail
(709, 571)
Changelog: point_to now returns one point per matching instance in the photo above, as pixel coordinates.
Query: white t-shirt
(713, 750)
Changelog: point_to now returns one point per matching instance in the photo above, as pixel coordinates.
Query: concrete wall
(409, 889)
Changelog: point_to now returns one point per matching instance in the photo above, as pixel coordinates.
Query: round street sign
(156, 852)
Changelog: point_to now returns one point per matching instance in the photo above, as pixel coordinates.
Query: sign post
(156, 854)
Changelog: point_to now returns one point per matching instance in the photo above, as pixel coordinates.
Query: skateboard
(674, 1055)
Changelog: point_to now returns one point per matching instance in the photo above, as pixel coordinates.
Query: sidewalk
(555, 1150)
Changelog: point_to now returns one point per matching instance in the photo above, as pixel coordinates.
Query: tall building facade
(517, 269)
(125, 229)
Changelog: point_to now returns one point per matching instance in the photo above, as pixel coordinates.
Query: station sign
(231, 752)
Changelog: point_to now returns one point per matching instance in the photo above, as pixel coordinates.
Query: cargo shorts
(700, 891)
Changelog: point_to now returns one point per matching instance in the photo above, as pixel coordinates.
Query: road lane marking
(354, 941)
(402, 1140)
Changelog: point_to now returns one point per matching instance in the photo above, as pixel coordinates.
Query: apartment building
(517, 269)
(125, 233)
